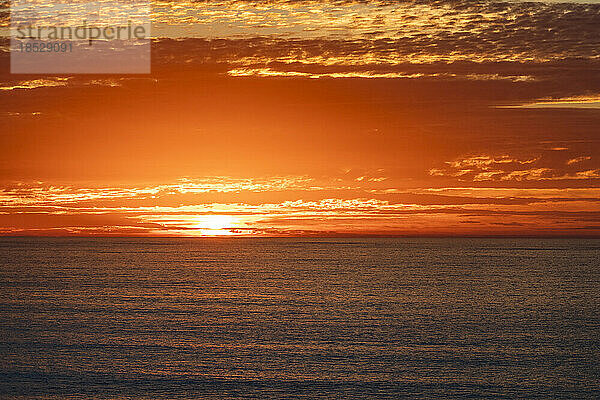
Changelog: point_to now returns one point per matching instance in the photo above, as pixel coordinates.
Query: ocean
(233, 318)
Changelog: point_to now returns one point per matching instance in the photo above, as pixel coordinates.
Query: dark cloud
(546, 166)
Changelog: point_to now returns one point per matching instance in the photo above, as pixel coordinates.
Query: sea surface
(299, 318)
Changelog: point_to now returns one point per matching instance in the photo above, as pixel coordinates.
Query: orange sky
(317, 118)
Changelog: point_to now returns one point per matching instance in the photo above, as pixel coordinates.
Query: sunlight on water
(299, 318)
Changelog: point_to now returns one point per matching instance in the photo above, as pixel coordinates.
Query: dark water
(289, 318)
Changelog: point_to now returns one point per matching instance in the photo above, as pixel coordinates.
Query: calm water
(289, 318)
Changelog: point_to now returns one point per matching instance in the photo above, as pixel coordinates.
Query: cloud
(36, 194)
(578, 160)
(480, 168)
(475, 40)
(35, 83)
(581, 102)
(52, 210)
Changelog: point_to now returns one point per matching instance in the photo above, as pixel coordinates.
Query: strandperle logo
(80, 37)
(82, 32)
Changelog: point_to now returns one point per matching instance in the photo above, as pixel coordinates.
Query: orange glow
(315, 118)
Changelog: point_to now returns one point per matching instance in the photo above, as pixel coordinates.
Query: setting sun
(214, 225)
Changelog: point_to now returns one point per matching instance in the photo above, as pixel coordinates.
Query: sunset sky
(318, 118)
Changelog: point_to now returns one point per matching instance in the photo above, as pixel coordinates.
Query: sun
(214, 225)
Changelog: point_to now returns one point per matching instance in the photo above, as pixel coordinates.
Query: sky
(318, 118)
